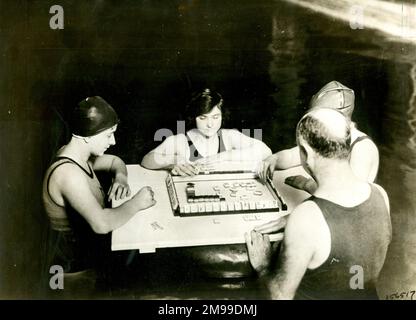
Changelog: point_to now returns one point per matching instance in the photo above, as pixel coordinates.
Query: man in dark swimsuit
(335, 242)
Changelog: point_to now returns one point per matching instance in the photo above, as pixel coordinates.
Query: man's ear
(304, 152)
(308, 154)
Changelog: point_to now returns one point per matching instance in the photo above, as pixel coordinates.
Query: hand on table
(211, 163)
(119, 189)
(266, 168)
(144, 198)
(185, 169)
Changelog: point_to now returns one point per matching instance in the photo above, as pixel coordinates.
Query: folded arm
(114, 165)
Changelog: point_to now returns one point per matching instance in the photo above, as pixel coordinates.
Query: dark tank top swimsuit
(74, 246)
(194, 153)
(69, 160)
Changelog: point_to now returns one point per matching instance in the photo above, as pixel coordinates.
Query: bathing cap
(92, 116)
(334, 95)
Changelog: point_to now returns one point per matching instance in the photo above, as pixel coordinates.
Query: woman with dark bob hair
(206, 142)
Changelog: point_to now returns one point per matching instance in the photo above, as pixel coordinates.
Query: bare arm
(114, 165)
(76, 191)
(281, 160)
(364, 160)
(110, 163)
(287, 158)
(385, 196)
(170, 152)
(297, 252)
(387, 202)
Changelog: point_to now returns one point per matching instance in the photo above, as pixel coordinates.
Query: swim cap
(92, 116)
(334, 95)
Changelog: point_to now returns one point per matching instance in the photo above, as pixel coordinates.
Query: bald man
(364, 157)
(342, 231)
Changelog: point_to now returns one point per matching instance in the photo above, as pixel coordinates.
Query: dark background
(146, 57)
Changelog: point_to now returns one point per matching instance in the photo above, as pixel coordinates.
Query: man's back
(359, 238)
(343, 228)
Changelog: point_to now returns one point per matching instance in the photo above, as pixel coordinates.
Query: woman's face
(209, 123)
(102, 141)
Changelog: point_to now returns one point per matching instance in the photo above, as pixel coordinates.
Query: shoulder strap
(90, 174)
(361, 138)
(221, 145)
(194, 154)
(49, 178)
(67, 160)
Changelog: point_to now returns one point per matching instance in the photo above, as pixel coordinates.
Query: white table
(157, 227)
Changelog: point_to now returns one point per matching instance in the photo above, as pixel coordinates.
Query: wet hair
(92, 116)
(202, 103)
(322, 138)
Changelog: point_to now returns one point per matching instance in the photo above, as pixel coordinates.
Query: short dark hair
(202, 103)
(321, 140)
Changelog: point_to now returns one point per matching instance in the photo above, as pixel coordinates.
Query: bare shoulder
(67, 174)
(176, 138)
(365, 151)
(367, 144)
(173, 144)
(303, 232)
(232, 138)
(305, 220)
(232, 133)
(237, 137)
(384, 194)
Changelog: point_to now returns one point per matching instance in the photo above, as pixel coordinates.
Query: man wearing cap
(73, 197)
(364, 159)
(336, 241)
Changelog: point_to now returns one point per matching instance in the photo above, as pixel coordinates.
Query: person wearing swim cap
(73, 197)
(346, 223)
(206, 143)
(364, 158)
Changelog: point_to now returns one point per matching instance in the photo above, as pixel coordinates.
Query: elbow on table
(101, 227)
(148, 162)
(267, 152)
